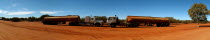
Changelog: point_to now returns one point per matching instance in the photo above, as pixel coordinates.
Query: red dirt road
(38, 31)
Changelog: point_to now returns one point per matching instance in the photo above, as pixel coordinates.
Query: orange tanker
(131, 21)
(73, 20)
(136, 20)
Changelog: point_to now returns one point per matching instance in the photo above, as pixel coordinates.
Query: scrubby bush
(42, 17)
(23, 19)
(32, 19)
(7, 19)
(15, 19)
(82, 20)
(2, 18)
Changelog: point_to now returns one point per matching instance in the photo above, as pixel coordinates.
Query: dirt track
(37, 31)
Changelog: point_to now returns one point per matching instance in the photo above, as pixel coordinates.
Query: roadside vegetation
(35, 19)
(30, 19)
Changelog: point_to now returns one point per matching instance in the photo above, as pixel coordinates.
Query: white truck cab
(113, 21)
(94, 21)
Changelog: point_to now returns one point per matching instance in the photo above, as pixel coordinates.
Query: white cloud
(20, 13)
(15, 13)
(3, 11)
(50, 12)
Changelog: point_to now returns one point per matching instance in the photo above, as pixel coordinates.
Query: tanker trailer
(134, 21)
(54, 20)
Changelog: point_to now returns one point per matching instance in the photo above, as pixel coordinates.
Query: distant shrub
(32, 19)
(42, 17)
(7, 19)
(15, 19)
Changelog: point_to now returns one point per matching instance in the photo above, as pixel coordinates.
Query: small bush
(15, 19)
(7, 19)
(32, 19)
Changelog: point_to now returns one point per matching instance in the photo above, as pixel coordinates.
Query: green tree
(32, 18)
(82, 20)
(23, 19)
(3, 18)
(172, 20)
(198, 12)
(15, 19)
(208, 12)
(42, 17)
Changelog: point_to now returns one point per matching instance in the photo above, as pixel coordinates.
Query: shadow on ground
(204, 25)
(118, 26)
(143, 27)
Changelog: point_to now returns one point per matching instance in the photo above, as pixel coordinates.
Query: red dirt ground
(102, 33)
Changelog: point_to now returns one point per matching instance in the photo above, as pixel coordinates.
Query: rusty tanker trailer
(54, 20)
(133, 21)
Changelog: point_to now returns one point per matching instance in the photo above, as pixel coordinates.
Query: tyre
(167, 24)
(162, 24)
(97, 24)
(44, 22)
(150, 24)
(70, 24)
(127, 25)
(73, 23)
(54, 23)
(136, 25)
(113, 26)
(158, 24)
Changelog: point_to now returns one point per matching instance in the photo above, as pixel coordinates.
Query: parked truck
(113, 21)
(134, 21)
(54, 20)
(96, 21)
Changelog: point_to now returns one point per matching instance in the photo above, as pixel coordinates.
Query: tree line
(104, 18)
(30, 19)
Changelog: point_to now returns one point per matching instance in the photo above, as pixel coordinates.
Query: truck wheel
(63, 22)
(162, 24)
(97, 24)
(113, 26)
(136, 25)
(127, 25)
(158, 24)
(51, 23)
(44, 22)
(54, 23)
(150, 24)
(73, 23)
(167, 24)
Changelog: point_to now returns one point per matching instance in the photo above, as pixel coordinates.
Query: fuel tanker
(113, 21)
(54, 20)
(149, 21)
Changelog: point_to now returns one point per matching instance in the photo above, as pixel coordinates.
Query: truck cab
(94, 21)
(113, 21)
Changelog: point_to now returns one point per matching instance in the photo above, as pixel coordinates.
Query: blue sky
(122, 8)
